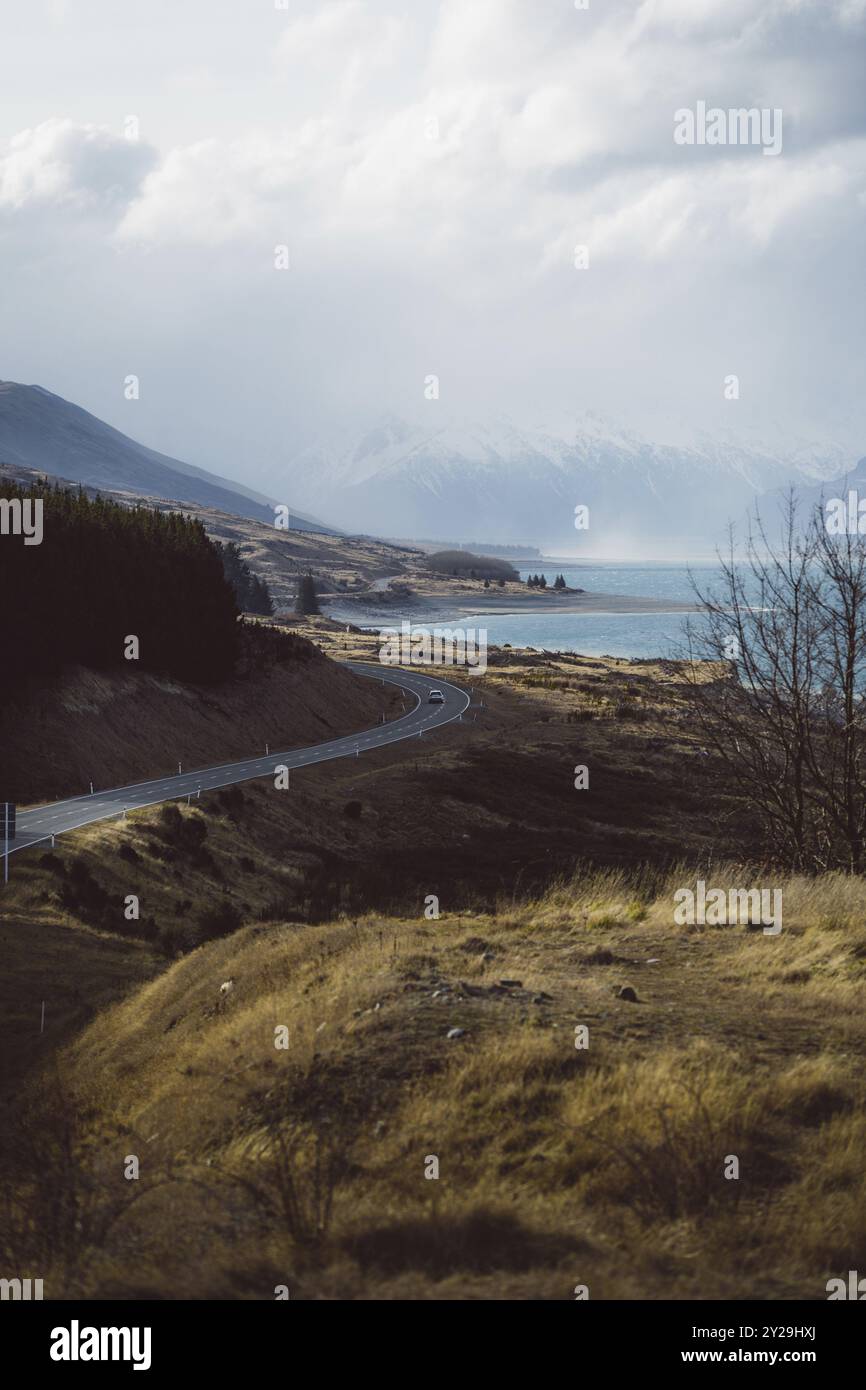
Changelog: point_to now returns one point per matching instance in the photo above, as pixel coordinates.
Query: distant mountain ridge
(516, 485)
(456, 480)
(39, 430)
(852, 480)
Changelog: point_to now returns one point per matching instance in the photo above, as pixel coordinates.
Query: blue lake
(603, 634)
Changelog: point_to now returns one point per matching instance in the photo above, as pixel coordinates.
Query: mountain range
(512, 484)
(42, 431)
(497, 481)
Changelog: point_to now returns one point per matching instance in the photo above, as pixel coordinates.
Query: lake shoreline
(419, 610)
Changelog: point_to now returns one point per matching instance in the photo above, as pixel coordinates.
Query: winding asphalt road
(40, 822)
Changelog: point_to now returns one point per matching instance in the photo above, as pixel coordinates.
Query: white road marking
(85, 810)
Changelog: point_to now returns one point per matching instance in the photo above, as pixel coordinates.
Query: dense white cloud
(517, 113)
(432, 168)
(215, 191)
(342, 43)
(59, 164)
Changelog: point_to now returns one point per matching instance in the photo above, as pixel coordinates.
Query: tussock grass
(607, 1164)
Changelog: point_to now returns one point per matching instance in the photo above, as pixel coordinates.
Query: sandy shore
(450, 607)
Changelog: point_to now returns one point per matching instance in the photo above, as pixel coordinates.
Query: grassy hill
(559, 1165)
(603, 1166)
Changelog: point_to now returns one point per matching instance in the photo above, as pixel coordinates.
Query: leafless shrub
(293, 1178)
(59, 1199)
(785, 713)
(673, 1164)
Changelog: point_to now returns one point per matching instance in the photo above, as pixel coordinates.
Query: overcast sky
(431, 167)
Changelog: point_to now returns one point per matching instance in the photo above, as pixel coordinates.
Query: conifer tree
(104, 572)
(306, 602)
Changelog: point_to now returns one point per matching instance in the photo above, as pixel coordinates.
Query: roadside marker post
(8, 834)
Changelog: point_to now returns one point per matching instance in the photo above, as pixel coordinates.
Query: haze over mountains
(511, 484)
(499, 482)
(42, 431)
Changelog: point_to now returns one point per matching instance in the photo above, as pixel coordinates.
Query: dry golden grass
(558, 1165)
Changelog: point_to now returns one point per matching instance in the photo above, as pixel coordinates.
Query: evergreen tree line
(539, 581)
(464, 563)
(252, 594)
(103, 573)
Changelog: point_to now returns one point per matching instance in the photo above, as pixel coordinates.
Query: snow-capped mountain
(508, 483)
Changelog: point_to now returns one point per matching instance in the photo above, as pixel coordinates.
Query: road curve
(40, 822)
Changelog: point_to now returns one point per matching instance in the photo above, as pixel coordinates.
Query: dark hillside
(206, 688)
(43, 431)
(112, 727)
(103, 573)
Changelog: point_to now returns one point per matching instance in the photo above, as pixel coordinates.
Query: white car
(435, 698)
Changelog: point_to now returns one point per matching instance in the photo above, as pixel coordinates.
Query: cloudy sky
(431, 167)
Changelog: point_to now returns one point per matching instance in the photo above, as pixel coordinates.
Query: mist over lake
(602, 634)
